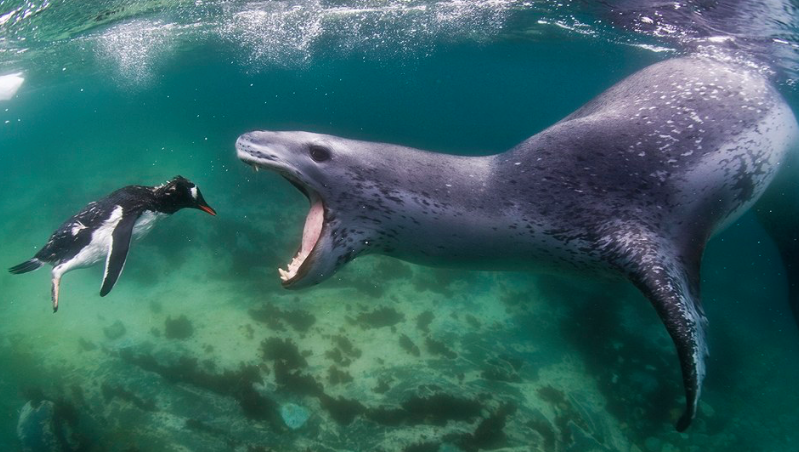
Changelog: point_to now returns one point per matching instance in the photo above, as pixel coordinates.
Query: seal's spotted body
(633, 183)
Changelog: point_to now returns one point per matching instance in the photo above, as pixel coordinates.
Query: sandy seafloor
(386, 356)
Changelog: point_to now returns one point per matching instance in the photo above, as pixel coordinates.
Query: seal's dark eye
(319, 153)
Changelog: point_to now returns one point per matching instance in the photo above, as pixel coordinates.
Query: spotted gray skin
(634, 183)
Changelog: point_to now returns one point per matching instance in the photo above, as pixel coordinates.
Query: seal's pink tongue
(313, 227)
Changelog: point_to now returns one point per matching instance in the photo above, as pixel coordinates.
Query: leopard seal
(634, 183)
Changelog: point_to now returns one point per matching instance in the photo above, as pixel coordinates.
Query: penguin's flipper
(670, 280)
(117, 253)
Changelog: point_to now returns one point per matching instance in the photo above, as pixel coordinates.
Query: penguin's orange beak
(208, 209)
(202, 205)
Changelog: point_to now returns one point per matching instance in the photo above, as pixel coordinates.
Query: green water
(393, 357)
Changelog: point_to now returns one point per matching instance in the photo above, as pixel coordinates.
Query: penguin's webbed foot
(54, 293)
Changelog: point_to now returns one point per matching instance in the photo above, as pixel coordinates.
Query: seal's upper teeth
(255, 168)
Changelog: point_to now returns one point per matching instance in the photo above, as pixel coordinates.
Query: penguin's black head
(179, 193)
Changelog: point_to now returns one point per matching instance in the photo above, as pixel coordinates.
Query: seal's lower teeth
(291, 268)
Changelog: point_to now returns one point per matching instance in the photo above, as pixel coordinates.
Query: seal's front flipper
(118, 253)
(670, 280)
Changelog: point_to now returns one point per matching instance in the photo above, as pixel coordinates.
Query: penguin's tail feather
(27, 266)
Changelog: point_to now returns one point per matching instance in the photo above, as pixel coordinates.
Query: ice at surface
(10, 84)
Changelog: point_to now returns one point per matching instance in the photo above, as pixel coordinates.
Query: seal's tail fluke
(27, 266)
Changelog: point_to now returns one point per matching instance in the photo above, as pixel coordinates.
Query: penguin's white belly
(98, 247)
(145, 223)
(102, 239)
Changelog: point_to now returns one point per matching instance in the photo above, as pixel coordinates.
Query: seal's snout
(250, 149)
(244, 138)
(256, 141)
(256, 138)
(242, 143)
(264, 148)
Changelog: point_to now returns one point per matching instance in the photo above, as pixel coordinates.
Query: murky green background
(149, 91)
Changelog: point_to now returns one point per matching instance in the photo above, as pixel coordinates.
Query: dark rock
(423, 447)
(273, 317)
(86, 345)
(237, 384)
(407, 344)
(346, 346)
(179, 328)
(440, 408)
(342, 410)
(336, 376)
(473, 322)
(551, 395)
(383, 385)
(439, 348)
(35, 427)
(544, 429)
(115, 331)
(490, 432)
(423, 321)
(292, 380)
(50, 426)
(338, 357)
(275, 349)
(380, 317)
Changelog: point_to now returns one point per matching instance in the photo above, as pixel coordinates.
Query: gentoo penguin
(104, 228)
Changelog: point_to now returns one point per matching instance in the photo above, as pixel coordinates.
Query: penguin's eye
(319, 153)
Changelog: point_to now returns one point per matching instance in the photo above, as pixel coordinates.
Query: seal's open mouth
(266, 150)
(311, 232)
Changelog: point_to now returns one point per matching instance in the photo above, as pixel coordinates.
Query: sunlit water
(389, 356)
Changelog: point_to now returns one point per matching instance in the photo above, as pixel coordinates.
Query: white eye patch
(193, 192)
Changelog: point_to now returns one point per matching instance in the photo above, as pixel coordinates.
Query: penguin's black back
(76, 232)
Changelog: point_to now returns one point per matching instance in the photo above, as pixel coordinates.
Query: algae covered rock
(46, 426)
(294, 415)
(35, 428)
(115, 330)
